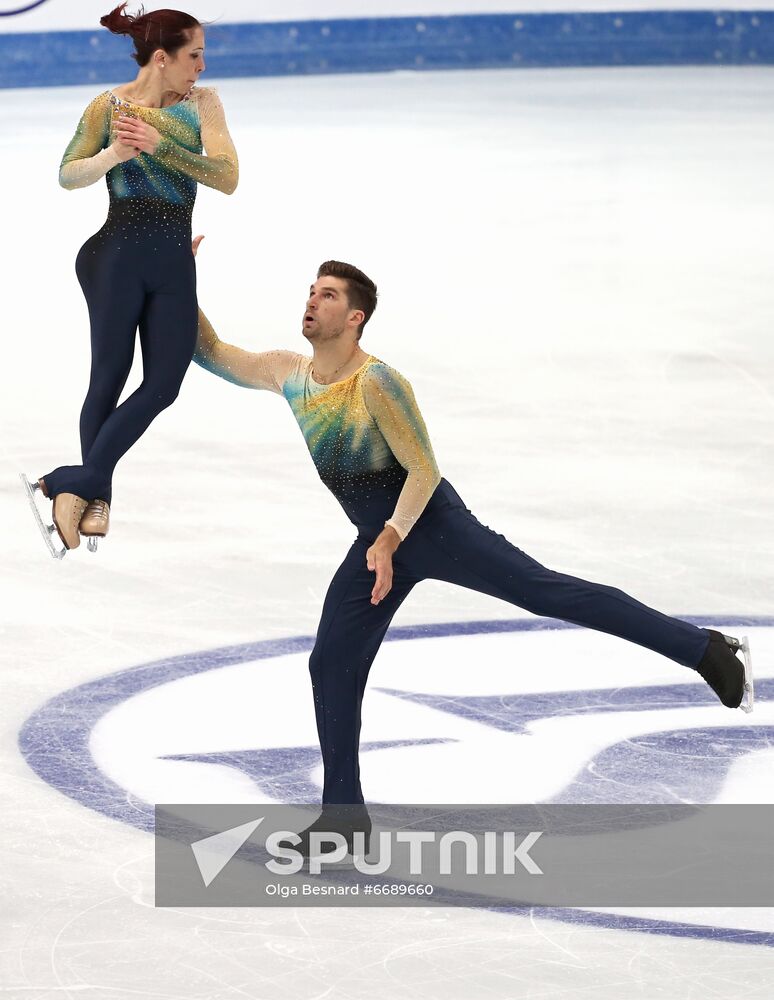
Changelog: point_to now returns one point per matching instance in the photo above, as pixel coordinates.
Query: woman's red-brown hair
(160, 29)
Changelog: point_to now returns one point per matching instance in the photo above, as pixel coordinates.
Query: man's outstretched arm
(261, 370)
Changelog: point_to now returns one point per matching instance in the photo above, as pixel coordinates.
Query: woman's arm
(219, 169)
(90, 154)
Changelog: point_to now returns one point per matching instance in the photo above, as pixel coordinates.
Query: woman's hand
(136, 133)
(124, 151)
(195, 244)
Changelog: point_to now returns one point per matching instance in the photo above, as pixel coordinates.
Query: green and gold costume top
(171, 174)
(363, 432)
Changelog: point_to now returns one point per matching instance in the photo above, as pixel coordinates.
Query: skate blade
(748, 698)
(347, 863)
(91, 545)
(46, 530)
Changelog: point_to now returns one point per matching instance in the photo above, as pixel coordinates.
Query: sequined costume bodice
(169, 176)
(365, 433)
(342, 435)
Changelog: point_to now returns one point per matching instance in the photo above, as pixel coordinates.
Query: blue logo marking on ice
(521, 710)
(214, 853)
(20, 9)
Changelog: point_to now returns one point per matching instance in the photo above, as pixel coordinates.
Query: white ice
(575, 273)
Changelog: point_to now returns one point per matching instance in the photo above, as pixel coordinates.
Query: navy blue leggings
(448, 543)
(136, 272)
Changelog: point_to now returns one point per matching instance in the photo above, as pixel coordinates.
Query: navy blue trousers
(137, 272)
(448, 543)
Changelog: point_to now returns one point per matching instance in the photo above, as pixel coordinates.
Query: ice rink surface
(575, 273)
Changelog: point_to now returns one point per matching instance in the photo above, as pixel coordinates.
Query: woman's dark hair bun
(159, 29)
(118, 22)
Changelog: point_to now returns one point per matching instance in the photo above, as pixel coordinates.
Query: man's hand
(138, 134)
(379, 561)
(195, 244)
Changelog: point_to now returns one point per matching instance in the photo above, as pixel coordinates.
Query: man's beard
(316, 333)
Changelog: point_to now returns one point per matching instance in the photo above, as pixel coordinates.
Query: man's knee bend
(567, 597)
(316, 665)
(549, 595)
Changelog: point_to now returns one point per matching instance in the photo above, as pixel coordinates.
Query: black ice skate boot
(352, 822)
(728, 676)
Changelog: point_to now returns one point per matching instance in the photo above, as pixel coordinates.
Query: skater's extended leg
(349, 636)
(471, 555)
(457, 548)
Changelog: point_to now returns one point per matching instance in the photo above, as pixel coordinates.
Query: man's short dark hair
(361, 291)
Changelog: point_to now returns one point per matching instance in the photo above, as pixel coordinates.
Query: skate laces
(79, 506)
(98, 509)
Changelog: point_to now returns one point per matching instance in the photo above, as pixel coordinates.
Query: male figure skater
(372, 450)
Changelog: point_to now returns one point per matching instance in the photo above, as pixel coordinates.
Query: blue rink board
(362, 45)
(54, 741)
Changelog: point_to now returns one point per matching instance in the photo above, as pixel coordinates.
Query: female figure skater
(138, 271)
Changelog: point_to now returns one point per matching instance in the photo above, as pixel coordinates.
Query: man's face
(328, 311)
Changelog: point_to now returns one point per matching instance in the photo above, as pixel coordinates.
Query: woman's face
(182, 69)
